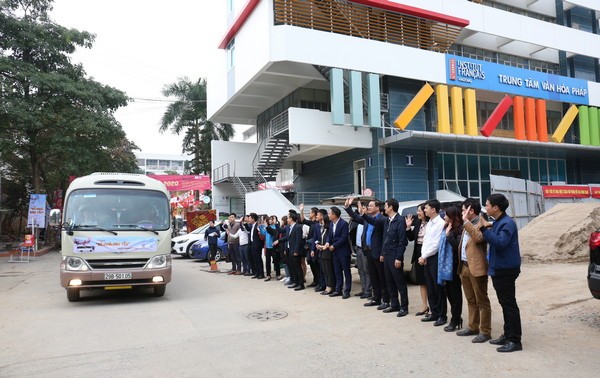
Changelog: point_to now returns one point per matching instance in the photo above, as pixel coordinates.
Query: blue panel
(496, 77)
(336, 80)
(356, 108)
(374, 100)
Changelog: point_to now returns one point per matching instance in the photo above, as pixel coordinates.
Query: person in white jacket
(431, 242)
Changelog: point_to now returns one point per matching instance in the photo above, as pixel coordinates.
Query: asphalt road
(202, 328)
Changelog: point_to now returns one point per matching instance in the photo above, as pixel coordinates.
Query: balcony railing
(361, 21)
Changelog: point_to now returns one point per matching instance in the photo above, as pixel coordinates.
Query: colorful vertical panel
(373, 100)
(356, 98)
(470, 111)
(594, 126)
(541, 120)
(413, 107)
(519, 117)
(336, 83)
(490, 125)
(441, 95)
(584, 126)
(564, 125)
(530, 126)
(458, 120)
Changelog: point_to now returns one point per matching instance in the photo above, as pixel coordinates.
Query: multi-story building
(408, 97)
(160, 164)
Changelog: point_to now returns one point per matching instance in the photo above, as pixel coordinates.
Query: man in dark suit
(256, 246)
(339, 244)
(392, 256)
(372, 241)
(296, 249)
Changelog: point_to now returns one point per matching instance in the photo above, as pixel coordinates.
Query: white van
(116, 234)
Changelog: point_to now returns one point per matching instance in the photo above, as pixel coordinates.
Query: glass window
(513, 164)
(484, 163)
(461, 167)
(473, 167)
(485, 191)
(231, 54)
(474, 189)
(464, 188)
(141, 162)
(543, 172)
(152, 164)
(495, 162)
(562, 171)
(449, 167)
(552, 170)
(523, 167)
(534, 171)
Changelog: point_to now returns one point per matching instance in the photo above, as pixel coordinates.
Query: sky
(141, 46)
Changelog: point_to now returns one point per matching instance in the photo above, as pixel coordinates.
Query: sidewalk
(8, 249)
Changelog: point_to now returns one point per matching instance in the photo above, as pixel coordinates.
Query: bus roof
(117, 180)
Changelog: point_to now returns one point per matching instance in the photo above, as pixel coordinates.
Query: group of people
(451, 257)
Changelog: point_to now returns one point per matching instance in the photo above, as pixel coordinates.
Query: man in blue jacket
(504, 268)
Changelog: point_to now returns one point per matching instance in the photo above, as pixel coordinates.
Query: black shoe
(499, 341)
(467, 332)
(424, 312)
(335, 294)
(301, 287)
(293, 286)
(402, 313)
(383, 306)
(360, 293)
(372, 303)
(313, 284)
(345, 296)
(429, 318)
(391, 309)
(440, 322)
(248, 274)
(366, 296)
(510, 347)
(268, 279)
(261, 277)
(481, 338)
(254, 277)
(325, 292)
(453, 326)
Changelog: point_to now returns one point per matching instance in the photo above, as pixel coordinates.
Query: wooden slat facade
(360, 21)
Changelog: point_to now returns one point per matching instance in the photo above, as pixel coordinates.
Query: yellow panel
(458, 120)
(470, 111)
(443, 113)
(413, 107)
(564, 125)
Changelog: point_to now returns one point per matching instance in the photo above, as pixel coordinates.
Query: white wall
(314, 127)
(336, 50)
(269, 202)
(239, 156)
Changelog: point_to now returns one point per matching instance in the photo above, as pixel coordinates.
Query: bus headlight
(74, 263)
(158, 262)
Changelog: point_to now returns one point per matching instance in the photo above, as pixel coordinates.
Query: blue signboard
(477, 74)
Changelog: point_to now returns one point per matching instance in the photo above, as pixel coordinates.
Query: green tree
(188, 114)
(51, 115)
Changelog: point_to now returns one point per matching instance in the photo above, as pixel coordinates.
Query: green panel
(336, 82)
(594, 127)
(356, 99)
(584, 125)
(374, 100)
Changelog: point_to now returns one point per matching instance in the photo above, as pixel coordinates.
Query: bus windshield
(117, 209)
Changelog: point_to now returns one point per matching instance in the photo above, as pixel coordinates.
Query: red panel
(239, 22)
(565, 191)
(413, 11)
(490, 125)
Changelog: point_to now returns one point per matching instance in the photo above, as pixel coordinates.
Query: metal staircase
(272, 157)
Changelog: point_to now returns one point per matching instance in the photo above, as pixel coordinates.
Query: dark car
(594, 268)
(199, 250)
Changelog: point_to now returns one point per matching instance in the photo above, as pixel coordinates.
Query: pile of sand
(561, 233)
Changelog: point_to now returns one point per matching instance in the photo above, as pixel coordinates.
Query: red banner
(175, 183)
(196, 219)
(595, 191)
(566, 191)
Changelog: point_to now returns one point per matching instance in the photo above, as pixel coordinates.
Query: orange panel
(541, 120)
(519, 117)
(530, 127)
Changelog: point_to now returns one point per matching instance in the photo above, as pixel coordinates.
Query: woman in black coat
(415, 231)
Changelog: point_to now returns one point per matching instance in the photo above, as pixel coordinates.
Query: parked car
(181, 245)
(594, 268)
(200, 249)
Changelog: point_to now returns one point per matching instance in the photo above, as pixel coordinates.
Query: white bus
(116, 234)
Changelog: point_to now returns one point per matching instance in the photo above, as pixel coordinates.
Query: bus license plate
(117, 276)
